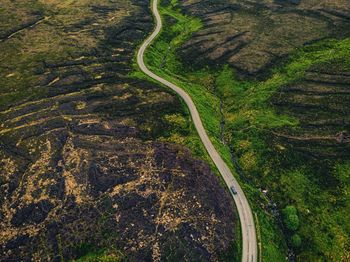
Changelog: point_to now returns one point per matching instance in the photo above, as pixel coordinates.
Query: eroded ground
(81, 170)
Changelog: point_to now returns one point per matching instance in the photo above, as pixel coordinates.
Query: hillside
(98, 162)
(87, 171)
(271, 81)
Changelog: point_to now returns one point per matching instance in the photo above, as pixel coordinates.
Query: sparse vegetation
(86, 167)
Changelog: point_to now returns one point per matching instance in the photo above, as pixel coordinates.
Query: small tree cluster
(290, 218)
(295, 241)
(291, 221)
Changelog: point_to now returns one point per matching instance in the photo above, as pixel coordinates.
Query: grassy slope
(293, 181)
(183, 131)
(249, 117)
(161, 58)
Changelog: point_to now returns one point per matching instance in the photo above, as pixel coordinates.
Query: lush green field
(313, 217)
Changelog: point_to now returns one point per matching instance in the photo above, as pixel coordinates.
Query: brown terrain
(81, 168)
(252, 35)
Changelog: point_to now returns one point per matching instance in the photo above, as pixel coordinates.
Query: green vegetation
(290, 218)
(202, 86)
(101, 256)
(296, 241)
(162, 59)
(24, 58)
(250, 121)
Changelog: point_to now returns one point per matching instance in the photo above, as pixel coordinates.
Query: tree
(290, 218)
(296, 241)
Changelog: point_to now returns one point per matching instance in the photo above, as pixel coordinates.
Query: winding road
(249, 242)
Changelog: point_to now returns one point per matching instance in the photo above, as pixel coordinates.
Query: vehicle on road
(233, 190)
(249, 239)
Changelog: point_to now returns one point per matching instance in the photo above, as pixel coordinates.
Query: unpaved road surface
(249, 252)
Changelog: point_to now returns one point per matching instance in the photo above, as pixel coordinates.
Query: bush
(295, 241)
(290, 218)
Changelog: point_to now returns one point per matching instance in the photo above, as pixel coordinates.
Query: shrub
(295, 241)
(290, 218)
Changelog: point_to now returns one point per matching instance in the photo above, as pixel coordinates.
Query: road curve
(249, 242)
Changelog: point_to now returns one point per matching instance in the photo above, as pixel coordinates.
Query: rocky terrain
(82, 168)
